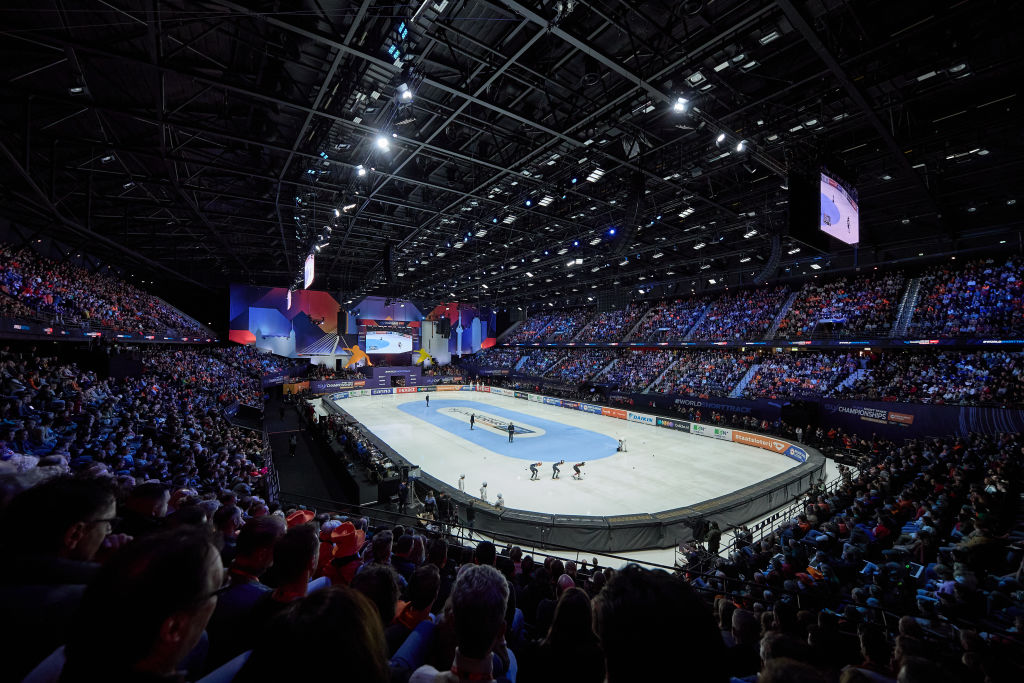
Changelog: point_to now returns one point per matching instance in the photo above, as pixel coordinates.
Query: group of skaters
(556, 469)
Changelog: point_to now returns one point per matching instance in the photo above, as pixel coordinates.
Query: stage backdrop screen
(839, 214)
(388, 341)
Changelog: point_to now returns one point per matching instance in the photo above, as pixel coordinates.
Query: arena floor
(661, 469)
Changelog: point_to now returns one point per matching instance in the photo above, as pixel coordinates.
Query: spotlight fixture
(337, 214)
(679, 106)
(720, 139)
(741, 145)
(383, 144)
(360, 171)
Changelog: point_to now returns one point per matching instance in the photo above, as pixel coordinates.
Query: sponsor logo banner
(759, 440)
(711, 432)
(796, 453)
(500, 392)
(640, 417)
(467, 388)
(379, 392)
(587, 408)
(519, 394)
(900, 418)
(876, 415)
(673, 424)
(574, 405)
(552, 401)
(359, 392)
(536, 398)
(614, 412)
(405, 390)
(485, 372)
(448, 387)
(340, 395)
(486, 390)
(424, 389)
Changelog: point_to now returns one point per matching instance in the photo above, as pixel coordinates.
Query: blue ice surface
(559, 441)
(829, 207)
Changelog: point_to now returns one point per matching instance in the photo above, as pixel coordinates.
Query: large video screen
(307, 272)
(388, 341)
(839, 215)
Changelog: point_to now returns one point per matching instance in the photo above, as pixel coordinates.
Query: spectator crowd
(862, 305)
(743, 315)
(984, 297)
(63, 293)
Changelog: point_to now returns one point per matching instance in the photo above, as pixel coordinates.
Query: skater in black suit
(576, 470)
(472, 420)
(555, 470)
(428, 400)
(533, 470)
(511, 431)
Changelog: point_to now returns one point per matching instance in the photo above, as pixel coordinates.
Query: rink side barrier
(618, 533)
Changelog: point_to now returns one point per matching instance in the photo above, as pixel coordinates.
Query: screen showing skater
(839, 213)
(387, 341)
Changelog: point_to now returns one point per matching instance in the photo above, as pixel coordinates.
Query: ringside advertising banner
(614, 412)
(711, 432)
(405, 390)
(500, 392)
(592, 409)
(640, 417)
(761, 441)
(519, 394)
(448, 387)
(674, 424)
(381, 392)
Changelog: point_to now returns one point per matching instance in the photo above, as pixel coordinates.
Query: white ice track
(663, 469)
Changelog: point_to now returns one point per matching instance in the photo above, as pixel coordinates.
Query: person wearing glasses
(146, 609)
(51, 536)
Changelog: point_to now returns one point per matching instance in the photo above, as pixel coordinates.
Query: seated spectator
(51, 536)
(651, 611)
(146, 609)
(423, 588)
(145, 508)
(228, 628)
(570, 650)
(379, 583)
(478, 603)
(334, 627)
(295, 561)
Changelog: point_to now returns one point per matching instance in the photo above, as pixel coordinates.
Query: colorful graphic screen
(262, 316)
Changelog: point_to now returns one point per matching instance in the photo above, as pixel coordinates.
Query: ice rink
(662, 469)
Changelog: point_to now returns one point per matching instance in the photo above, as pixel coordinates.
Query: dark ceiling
(214, 142)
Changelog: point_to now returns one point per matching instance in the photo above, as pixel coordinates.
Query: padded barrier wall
(620, 533)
